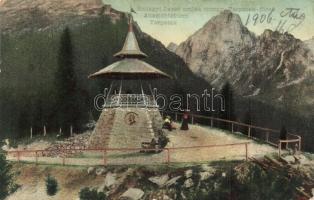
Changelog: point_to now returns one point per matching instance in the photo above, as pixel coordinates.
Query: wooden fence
(34, 155)
(269, 134)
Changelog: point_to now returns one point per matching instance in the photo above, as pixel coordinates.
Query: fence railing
(130, 100)
(37, 156)
(269, 136)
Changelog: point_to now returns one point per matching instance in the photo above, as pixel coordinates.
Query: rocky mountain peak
(172, 47)
(224, 50)
(221, 36)
(226, 17)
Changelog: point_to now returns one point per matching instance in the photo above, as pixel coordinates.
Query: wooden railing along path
(293, 138)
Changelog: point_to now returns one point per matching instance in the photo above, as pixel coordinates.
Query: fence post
(36, 157)
(211, 122)
(18, 156)
(71, 130)
(168, 156)
(45, 131)
(246, 152)
(104, 157)
(249, 132)
(31, 130)
(279, 149)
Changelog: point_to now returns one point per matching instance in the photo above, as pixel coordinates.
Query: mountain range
(266, 66)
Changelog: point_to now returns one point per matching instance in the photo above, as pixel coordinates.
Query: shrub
(5, 176)
(163, 141)
(51, 185)
(91, 194)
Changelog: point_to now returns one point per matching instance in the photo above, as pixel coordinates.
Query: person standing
(185, 122)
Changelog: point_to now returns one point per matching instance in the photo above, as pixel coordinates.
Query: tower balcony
(130, 100)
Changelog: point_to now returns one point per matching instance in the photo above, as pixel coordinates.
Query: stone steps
(101, 135)
(114, 132)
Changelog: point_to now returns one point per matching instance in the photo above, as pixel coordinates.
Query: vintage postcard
(156, 100)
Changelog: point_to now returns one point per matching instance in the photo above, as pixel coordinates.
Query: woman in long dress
(185, 122)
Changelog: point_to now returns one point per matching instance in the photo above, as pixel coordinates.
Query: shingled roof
(130, 66)
(130, 47)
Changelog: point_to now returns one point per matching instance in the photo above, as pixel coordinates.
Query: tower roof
(130, 47)
(130, 68)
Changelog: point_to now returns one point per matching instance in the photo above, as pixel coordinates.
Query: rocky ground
(220, 180)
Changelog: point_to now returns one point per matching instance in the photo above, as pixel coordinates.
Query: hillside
(30, 59)
(206, 181)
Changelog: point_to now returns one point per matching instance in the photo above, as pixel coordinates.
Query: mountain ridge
(28, 15)
(224, 50)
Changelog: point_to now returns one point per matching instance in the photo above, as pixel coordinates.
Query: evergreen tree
(283, 136)
(228, 113)
(5, 176)
(248, 119)
(68, 102)
(51, 185)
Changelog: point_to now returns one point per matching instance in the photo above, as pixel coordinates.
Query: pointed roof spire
(130, 47)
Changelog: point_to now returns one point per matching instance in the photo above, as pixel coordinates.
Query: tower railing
(130, 100)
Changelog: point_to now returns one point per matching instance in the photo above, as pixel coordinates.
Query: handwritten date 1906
(287, 21)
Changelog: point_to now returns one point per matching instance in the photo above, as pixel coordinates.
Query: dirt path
(202, 136)
(196, 136)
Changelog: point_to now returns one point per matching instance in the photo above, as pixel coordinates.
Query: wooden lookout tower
(129, 116)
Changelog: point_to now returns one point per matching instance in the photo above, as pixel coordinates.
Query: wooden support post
(71, 130)
(279, 149)
(31, 130)
(18, 156)
(211, 122)
(104, 157)
(36, 157)
(232, 127)
(267, 136)
(246, 152)
(60, 131)
(192, 119)
(45, 131)
(168, 156)
(249, 132)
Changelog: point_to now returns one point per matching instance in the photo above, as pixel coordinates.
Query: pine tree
(68, 103)
(248, 119)
(228, 113)
(51, 185)
(283, 136)
(5, 176)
